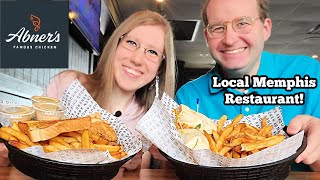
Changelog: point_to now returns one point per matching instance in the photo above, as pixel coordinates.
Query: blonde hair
(100, 83)
(262, 4)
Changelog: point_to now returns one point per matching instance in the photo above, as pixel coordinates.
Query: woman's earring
(157, 86)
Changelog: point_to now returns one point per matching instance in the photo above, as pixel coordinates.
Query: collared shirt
(211, 100)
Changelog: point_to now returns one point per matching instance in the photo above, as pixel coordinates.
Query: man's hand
(156, 154)
(4, 160)
(311, 126)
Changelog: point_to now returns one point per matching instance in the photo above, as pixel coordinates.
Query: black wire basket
(275, 170)
(40, 168)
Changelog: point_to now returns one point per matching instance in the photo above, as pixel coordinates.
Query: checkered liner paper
(157, 126)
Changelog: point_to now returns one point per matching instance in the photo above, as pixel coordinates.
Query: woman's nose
(138, 56)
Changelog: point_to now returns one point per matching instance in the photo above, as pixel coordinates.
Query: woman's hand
(134, 163)
(311, 126)
(4, 160)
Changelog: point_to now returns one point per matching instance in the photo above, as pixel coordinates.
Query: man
(235, 36)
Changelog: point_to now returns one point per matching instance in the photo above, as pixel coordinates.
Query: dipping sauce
(48, 111)
(44, 99)
(16, 113)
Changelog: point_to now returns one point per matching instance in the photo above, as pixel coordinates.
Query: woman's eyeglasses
(132, 44)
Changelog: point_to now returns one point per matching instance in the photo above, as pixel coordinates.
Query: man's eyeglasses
(241, 25)
(132, 44)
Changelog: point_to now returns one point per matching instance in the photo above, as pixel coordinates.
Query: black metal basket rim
(10, 147)
(292, 157)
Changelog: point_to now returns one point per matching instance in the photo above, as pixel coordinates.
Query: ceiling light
(315, 56)
(72, 15)
(159, 0)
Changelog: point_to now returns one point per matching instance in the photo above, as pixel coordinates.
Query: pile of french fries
(64, 141)
(238, 140)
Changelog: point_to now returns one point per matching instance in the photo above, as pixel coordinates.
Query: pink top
(60, 83)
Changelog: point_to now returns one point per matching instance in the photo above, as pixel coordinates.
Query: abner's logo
(36, 21)
(25, 36)
(34, 34)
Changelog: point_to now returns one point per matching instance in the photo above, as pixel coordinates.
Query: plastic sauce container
(48, 111)
(44, 99)
(16, 113)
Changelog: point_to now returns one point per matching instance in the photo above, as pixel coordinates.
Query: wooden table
(11, 173)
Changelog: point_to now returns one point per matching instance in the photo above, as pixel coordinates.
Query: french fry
(91, 145)
(116, 155)
(240, 135)
(60, 140)
(6, 136)
(224, 150)
(43, 143)
(18, 135)
(103, 147)
(15, 126)
(254, 136)
(235, 154)
(123, 154)
(50, 148)
(212, 144)
(271, 141)
(236, 120)
(243, 154)
(85, 141)
(235, 142)
(215, 135)
(255, 151)
(248, 126)
(269, 134)
(265, 130)
(225, 132)
(229, 154)
(264, 122)
(58, 145)
(76, 145)
(18, 144)
(237, 149)
(73, 134)
(246, 140)
(221, 123)
(69, 140)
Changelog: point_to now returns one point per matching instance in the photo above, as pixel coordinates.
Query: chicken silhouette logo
(35, 22)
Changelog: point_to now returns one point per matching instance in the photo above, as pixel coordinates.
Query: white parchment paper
(157, 126)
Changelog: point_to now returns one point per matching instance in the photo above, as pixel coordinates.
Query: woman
(140, 49)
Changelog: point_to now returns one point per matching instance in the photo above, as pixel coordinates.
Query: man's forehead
(225, 10)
